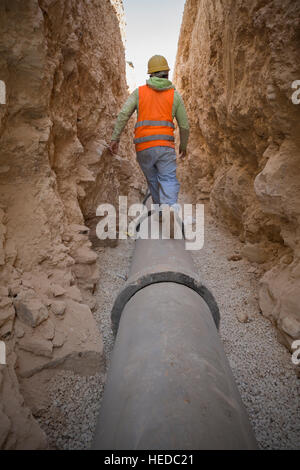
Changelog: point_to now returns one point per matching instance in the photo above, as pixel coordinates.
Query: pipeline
(169, 384)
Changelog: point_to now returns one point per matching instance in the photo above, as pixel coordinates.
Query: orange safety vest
(154, 125)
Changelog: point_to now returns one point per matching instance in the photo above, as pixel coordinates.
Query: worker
(157, 103)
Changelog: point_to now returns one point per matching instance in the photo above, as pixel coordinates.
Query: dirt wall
(64, 69)
(235, 67)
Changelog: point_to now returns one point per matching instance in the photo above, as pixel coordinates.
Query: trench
(261, 366)
(213, 174)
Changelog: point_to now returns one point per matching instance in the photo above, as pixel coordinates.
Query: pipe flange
(161, 274)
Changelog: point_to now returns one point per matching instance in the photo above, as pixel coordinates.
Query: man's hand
(182, 154)
(114, 147)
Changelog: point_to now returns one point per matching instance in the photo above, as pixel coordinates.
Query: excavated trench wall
(235, 67)
(64, 69)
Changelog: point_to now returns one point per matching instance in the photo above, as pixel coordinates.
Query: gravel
(261, 366)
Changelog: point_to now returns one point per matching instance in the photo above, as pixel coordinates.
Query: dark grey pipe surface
(152, 253)
(161, 261)
(169, 384)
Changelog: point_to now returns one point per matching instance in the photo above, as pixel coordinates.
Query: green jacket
(178, 110)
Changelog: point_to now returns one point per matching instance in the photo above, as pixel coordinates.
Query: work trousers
(159, 167)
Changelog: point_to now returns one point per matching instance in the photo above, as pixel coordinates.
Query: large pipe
(161, 261)
(169, 384)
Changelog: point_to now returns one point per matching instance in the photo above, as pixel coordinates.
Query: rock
(291, 326)
(279, 298)
(287, 259)
(18, 428)
(27, 283)
(85, 255)
(7, 314)
(234, 257)
(59, 339)
(36, 391)
(38, 346)
(66, 238)
(74, 293)
(81, 229)
(251, 270)
(4, 291)
(31, 312)
(47, 301)
(10, 252)
(58, 307)
(5, 425)
(81, 352)
(15, 288)
(6, 329)
(285, 339)
(242, 317)
(46, 330)
(57, 290)
(19, 330)
(86, 274)
(5, 302)
(254, 253)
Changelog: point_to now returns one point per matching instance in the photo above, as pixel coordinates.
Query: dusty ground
(262, 367)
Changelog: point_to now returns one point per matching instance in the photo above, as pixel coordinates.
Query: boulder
(31, 312)
(58, 307)
(254, 253)
(37, 346)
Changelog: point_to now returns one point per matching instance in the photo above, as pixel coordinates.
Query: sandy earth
(262, 367)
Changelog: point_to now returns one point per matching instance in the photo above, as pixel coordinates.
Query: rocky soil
(235, 67)
(65, 82)
(70, 420)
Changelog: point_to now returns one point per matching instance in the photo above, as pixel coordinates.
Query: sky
(152, 27)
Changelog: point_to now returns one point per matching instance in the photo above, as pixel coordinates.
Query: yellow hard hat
(157, 63)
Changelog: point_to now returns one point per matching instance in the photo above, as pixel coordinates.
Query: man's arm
(183, 123)
(124, 115)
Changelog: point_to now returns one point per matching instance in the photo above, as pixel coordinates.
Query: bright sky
(153, 27)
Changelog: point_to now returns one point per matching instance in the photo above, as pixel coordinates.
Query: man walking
(156, 103)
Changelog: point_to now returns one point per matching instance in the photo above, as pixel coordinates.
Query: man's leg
(146, 159)
(167, 179)
(168, 183)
